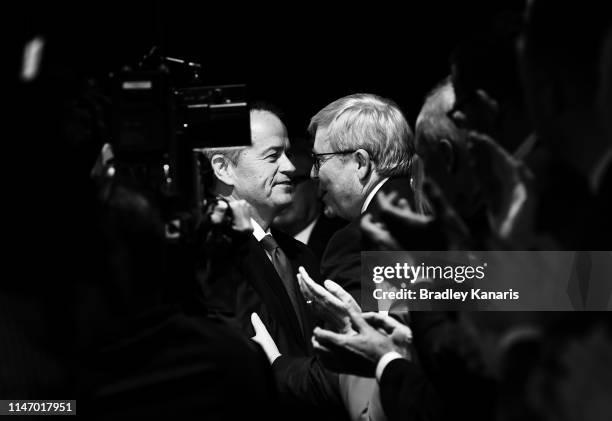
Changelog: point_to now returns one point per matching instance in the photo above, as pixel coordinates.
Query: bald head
(265, 124)
(442, 146)
(433, 123)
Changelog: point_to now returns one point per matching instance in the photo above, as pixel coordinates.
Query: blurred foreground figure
(561, 72)
(487, 85)
(143, 355)
(444, 149)
(87, 316)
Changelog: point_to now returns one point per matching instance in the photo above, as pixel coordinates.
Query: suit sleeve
(448, 349)
(407, 394)
(304, 382)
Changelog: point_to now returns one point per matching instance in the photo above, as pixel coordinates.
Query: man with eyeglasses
(363, 145)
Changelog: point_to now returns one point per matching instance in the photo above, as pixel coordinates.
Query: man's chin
(282, 202)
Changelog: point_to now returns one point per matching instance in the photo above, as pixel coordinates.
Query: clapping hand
(331, 302)
(508, 189)
(263, 338)
(359, 351)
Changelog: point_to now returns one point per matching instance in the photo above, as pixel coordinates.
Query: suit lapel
(266, 281)
(296, 258)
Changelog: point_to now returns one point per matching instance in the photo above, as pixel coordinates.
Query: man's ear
(364, 163)
(223, 169)
(447, 152)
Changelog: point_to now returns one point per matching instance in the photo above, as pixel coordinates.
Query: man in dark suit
(363, 145)
(265, 272)
(420, 382)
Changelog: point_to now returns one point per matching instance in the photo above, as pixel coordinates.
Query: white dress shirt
(384, 361)
(259, 234)
(372, 194)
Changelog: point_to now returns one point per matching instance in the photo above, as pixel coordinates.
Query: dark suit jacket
(163, 363)
(445, 379)
(405, 392)
(409, 390)
(322, 232)
(342, 258)
(263, 292)
(305, 387)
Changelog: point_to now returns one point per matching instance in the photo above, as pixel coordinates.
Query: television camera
(162, 117)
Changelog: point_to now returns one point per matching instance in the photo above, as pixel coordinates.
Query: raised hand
(331, 303)
(263, 338)
(400, 334)
(507, 186)
(241, 212)
(358, 352)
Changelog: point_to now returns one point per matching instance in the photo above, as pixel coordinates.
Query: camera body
(161, 120)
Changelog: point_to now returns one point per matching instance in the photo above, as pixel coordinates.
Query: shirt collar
(372, 194)
(258, 231)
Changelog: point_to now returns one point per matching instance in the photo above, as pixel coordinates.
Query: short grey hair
(231, 153)
(372, 123)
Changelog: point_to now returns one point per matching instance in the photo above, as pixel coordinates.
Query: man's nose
(286, 166)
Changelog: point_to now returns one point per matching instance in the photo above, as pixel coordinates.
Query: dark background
(300, 56)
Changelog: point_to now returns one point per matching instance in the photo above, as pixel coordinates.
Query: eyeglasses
(317, 161)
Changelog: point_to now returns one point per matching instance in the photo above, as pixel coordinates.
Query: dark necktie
(285, 272)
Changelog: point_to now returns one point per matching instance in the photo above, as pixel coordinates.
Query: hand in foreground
(508, 188)
(400, 334)
(331, 303)
(358, 353)
(240, 214)
(224, 229)
(263, 338)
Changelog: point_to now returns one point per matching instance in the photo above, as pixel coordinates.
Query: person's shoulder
(292, 247)
(347, 236)
(345, 242)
